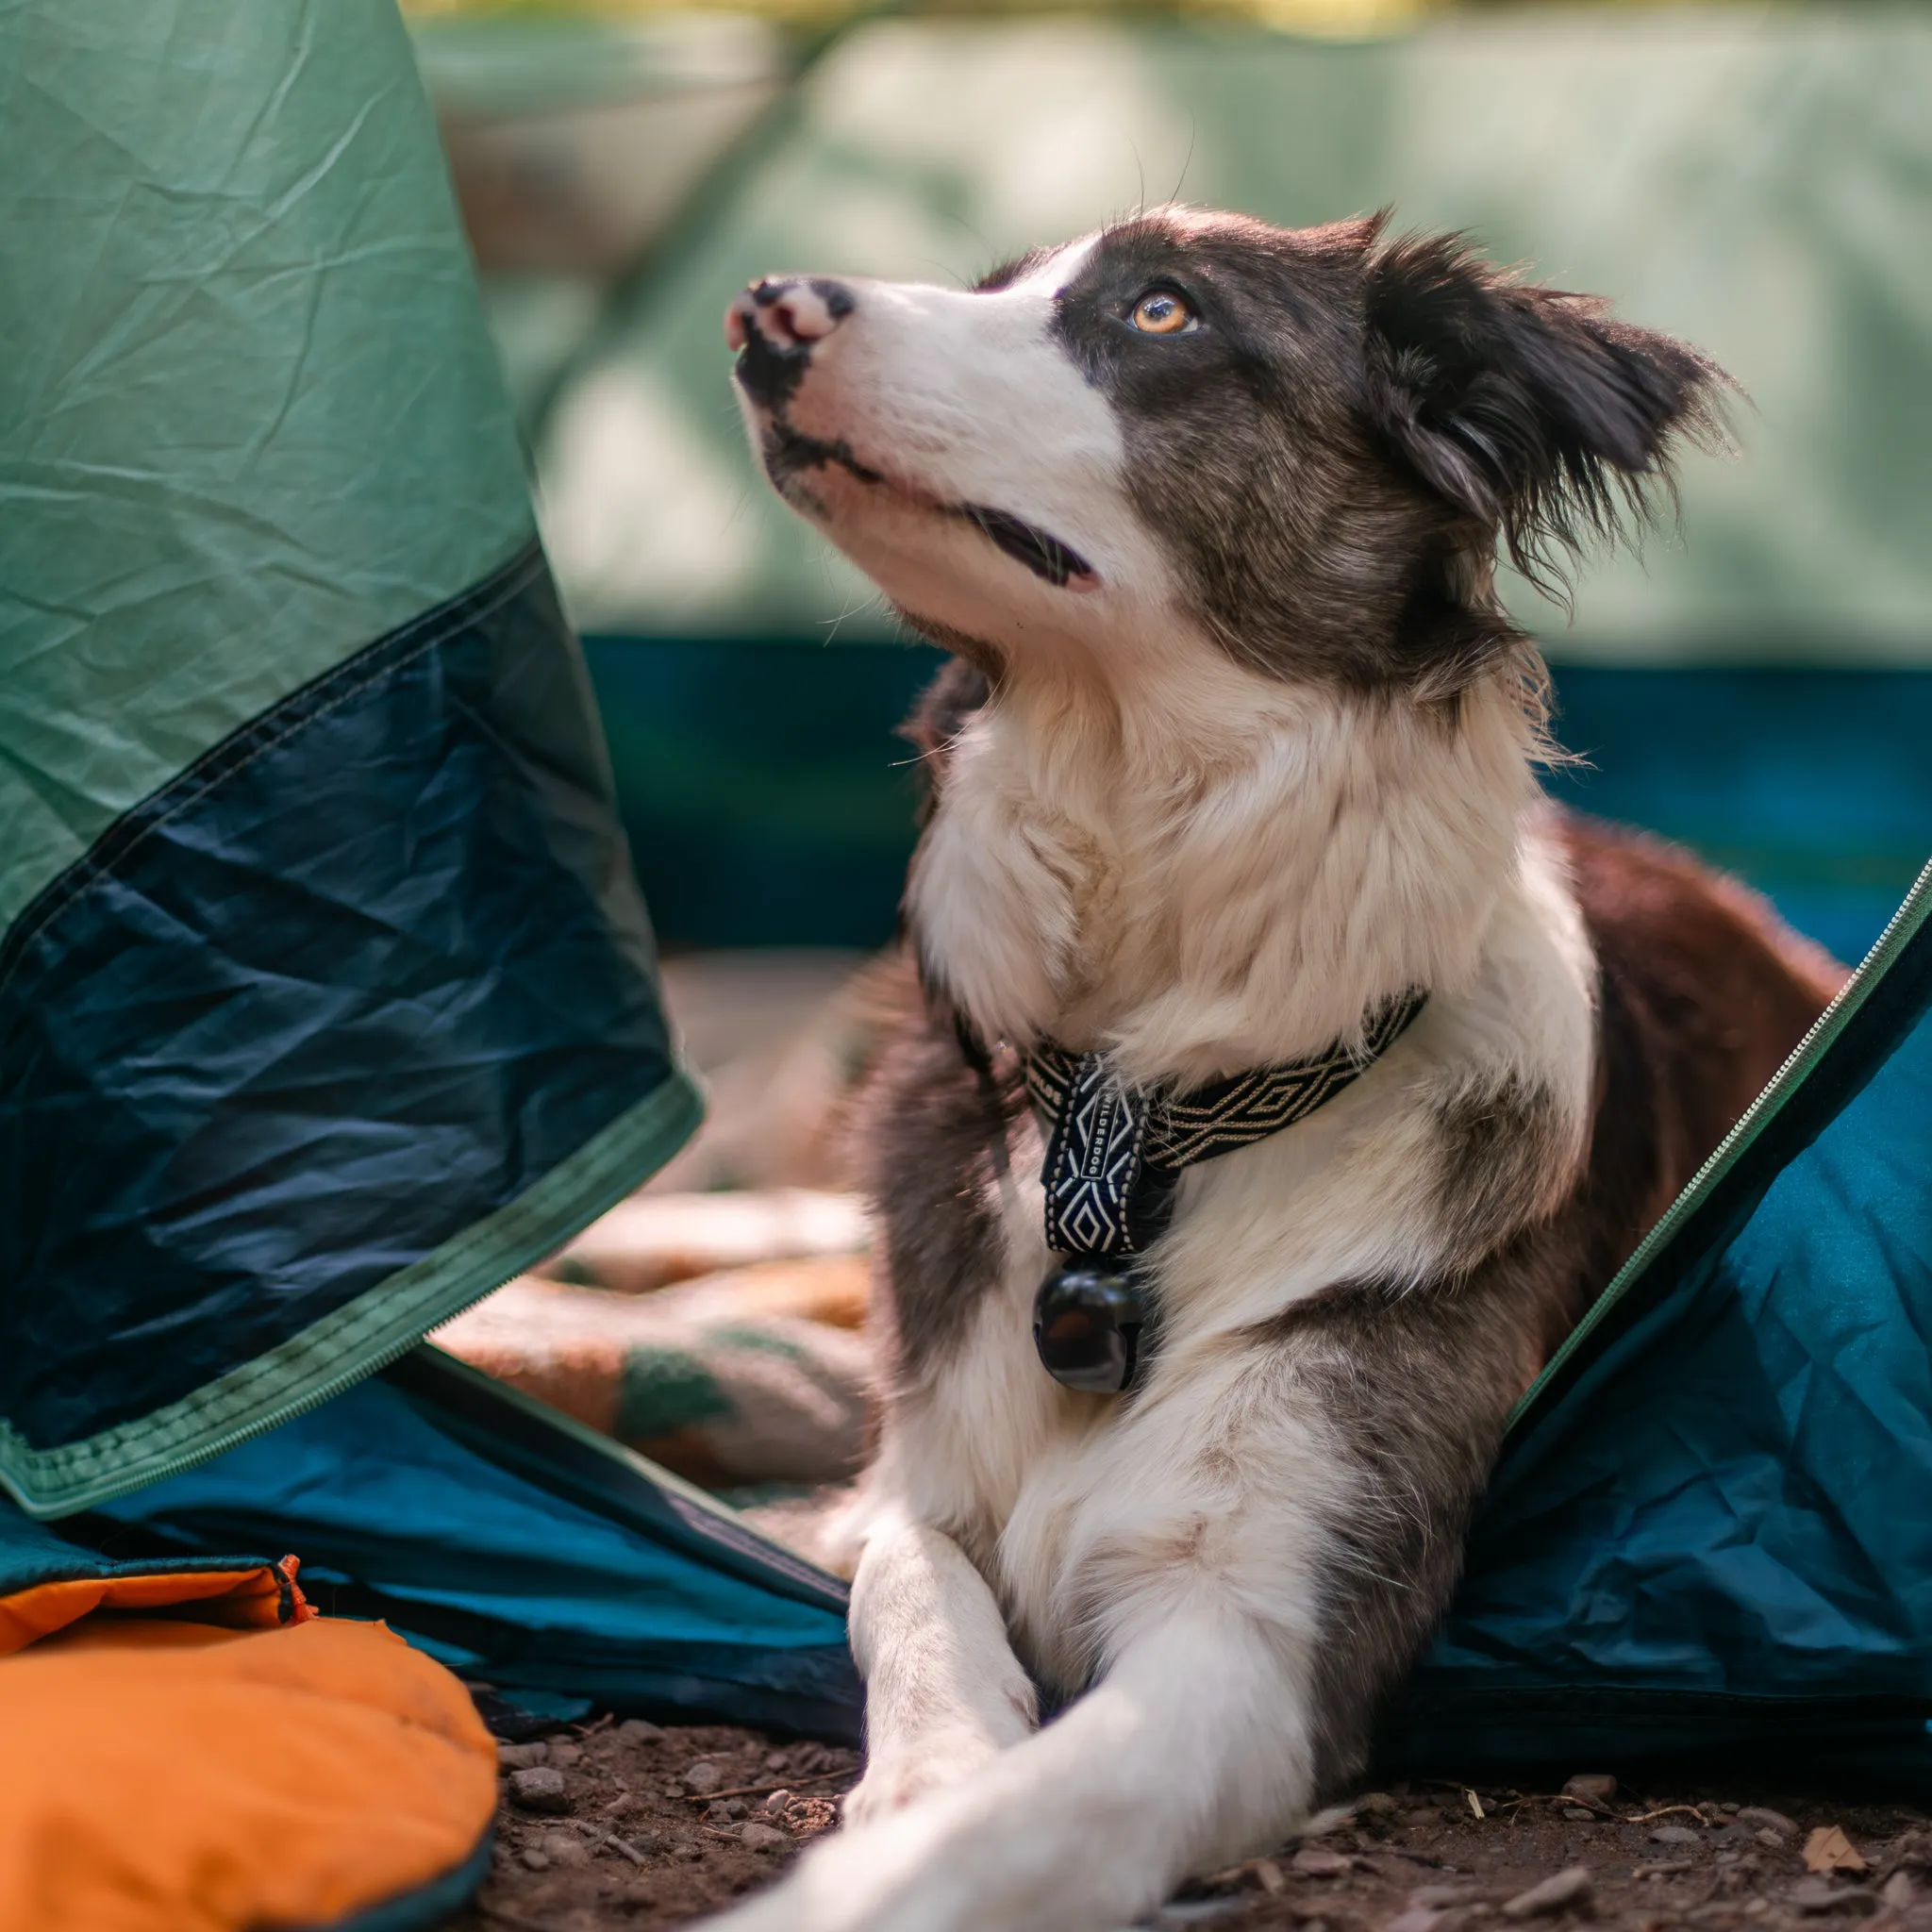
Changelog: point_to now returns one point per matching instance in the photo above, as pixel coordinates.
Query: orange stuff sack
(214, 1768)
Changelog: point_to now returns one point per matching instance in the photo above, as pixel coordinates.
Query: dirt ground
(643, 1828)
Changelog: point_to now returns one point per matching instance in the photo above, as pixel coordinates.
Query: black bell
(1088, 1318)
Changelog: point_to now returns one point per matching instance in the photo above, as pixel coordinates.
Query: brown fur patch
(1718, 989)
(933, 1120)
(1499, 1148)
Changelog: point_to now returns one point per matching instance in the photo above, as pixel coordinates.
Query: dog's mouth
(1042, 552)
(789, 454)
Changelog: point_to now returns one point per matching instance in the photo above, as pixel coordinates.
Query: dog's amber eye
(1161, 312)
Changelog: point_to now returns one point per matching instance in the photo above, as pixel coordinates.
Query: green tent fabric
(326, 997)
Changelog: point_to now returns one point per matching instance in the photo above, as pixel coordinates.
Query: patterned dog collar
(1114, 1158)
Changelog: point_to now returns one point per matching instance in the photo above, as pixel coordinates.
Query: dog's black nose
(775, 324)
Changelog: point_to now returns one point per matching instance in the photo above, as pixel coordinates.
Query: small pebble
(1821, 1895)
(1427, 1815)
(1435, 1898)
(689, 1852)
(1375, 1805)
(777, 1801)
(1415, 1919)
(1315, 1861)
(1599, 1786)
(540, 1787)
(702, 1778)
(1675, 1835)
(636, 1730)
(778, 1760)
(1772, 1840)
(564, 1755)
(564, 1848)
(1764, 1815)
(534, 1858)
(1566, 1891)
(1729, 1805)
(1578, 1813)
(762, 1838)
(521, 1757)
(1899, 1891)
(717, 1815)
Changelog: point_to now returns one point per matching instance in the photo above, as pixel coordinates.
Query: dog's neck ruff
(1114, 1156)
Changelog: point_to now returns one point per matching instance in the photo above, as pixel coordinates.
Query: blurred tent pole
(711, 197)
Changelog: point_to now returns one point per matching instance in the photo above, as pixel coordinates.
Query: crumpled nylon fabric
(1716, 1529)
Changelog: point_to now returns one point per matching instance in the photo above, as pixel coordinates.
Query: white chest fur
(1240, 913)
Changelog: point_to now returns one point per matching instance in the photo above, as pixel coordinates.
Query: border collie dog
(1279, 1076)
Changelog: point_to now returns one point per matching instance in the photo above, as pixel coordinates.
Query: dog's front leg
(1195, 1749)
(943, 1691)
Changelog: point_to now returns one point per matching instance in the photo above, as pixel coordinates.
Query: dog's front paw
(895, 1778)
(848, 1881)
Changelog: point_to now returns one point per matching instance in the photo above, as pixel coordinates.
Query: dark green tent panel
(326, 996)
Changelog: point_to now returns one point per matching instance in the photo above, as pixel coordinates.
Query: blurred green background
(1758, 682)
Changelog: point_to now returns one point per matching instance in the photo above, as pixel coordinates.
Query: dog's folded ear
(1529, 408)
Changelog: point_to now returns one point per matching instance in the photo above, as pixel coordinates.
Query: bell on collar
(1088, 1320)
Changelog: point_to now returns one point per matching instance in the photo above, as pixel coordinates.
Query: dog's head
(1304, 446)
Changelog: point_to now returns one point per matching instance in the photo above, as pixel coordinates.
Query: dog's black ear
(1528, 408)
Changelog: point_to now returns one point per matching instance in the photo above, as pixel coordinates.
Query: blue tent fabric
(1710, 1527)
(327, 998)
(520, 1550)
(34, 1553)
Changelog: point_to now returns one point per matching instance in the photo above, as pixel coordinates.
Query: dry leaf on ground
(1830, 1850)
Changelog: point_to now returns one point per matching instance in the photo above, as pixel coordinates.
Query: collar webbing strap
(1114, 1153)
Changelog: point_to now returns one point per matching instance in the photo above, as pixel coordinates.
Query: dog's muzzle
(775, 324)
